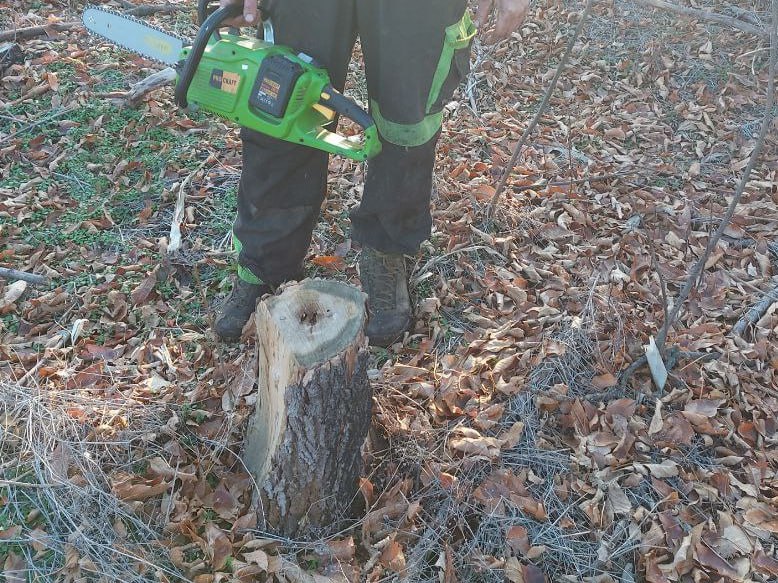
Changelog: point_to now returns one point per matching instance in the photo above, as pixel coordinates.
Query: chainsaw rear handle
(211, 24)
(342, 105)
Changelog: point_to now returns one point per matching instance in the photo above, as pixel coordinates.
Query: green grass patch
(86, 175)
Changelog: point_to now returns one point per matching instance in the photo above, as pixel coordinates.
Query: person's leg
(282, 184)
(415, 56)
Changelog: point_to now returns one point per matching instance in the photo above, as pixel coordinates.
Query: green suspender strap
(244, 272)
(458, 36)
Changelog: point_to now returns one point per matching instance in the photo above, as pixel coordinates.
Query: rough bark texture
(140, 90)
(313, 406)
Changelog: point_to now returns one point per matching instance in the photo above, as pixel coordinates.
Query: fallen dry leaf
(219, 545)
(392, 557)
(12, 293)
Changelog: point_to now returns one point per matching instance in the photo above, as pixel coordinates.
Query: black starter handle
(339, 103)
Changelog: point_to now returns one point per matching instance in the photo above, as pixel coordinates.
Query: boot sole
(385, 340)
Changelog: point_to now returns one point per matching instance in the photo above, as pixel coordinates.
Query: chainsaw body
(270, 89)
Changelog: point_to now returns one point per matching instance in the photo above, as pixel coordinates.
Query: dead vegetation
(503, 446)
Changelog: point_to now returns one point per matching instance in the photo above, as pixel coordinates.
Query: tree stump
(303, 444)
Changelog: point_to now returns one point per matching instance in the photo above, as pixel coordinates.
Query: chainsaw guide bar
(135, 35)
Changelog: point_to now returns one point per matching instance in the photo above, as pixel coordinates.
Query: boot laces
(244, 293)
(382, 275)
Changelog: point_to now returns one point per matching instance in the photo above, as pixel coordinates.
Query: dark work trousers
(415, 53)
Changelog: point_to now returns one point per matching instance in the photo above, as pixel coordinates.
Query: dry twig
(755, 313)
(543, 105)
(32, 278)
(154, 81)
(33, 31)
(696, 271)
(708, 16)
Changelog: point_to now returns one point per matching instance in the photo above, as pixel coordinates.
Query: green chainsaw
(252, 82)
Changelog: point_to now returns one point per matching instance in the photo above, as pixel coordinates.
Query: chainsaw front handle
(211, 24)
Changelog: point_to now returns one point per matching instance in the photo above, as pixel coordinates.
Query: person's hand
(250, 13)
(510, 15)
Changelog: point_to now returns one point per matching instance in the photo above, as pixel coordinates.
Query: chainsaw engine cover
(263, 87)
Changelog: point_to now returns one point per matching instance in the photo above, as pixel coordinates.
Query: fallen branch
(753, 315)
(772, 248)
(593, 178)
(707, 16)
(151, 83)
(696, 271)
(543, 105)
(33, 31)
(32, 278)
(178, 214)
(742, 14)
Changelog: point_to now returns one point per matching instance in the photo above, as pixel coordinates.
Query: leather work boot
(385, 281)
(237, 309)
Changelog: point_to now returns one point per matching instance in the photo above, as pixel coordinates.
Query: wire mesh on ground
(58, 450)
(569, 545)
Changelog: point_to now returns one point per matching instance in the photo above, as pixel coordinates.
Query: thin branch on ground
(593, 178)
(33, 31)
(32, 278)
(755, 313)
(42, 120)
(708, 16)
(696, 271)
(541, 109)
(673, 356)
(151, 83)
(18, 484)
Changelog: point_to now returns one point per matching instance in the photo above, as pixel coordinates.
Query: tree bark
(141, 89)
(303, 444)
